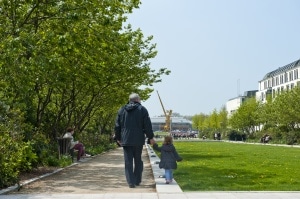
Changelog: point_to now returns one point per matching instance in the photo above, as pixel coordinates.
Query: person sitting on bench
(75, 144)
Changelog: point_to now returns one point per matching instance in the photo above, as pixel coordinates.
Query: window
(285, 77)
(296, 74)
(291, 76)
(281, 79)
(265, 84)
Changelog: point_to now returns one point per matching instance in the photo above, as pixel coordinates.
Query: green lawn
(222, 166)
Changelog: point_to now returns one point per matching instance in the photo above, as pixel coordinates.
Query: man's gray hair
(134, 97)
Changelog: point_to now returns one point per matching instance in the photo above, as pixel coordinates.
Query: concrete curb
(161, 186)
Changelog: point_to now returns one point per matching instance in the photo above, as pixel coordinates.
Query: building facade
(177, 123)
(274, 82)
(233, 104)
(283, 78)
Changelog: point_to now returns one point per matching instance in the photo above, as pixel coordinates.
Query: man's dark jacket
(132, 124)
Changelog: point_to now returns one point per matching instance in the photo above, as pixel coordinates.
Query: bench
(64, 148)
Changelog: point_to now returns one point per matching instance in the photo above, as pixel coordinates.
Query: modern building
(233, 104)
(177, 123)
(283, 78)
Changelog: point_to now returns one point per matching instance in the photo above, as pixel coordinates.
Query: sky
(216, 49)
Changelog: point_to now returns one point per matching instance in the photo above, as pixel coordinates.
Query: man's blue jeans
(169, 174)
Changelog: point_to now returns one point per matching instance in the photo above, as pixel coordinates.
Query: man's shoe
(131, 186)
(137, 184)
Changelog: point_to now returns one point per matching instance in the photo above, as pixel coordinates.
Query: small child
(168, 158)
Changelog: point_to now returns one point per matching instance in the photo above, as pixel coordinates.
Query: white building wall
(233, 104)
(281, 81)
(284, 78)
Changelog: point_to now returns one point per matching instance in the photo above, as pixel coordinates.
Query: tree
(287, 108)
(62, 62)
(245, 118)
(222, 118)
(198, 121)
(214, 122)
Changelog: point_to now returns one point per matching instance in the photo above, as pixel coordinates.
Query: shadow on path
(100, 174)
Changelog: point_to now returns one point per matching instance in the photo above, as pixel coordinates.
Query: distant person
(266, 138)
(219, 135)
(75, 144)
(169, 158)
(132, 124)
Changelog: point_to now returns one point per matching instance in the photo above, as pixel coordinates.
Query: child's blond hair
(168, 140)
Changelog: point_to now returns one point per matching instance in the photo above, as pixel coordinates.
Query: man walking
(132, 124)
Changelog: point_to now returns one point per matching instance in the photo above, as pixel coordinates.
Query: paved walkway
(102, 177)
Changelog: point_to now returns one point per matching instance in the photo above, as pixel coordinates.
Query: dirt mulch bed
(36, 172)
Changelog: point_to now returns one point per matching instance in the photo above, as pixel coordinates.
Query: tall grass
(221, 166)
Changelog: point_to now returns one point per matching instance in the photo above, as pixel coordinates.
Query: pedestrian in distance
(132, 125)
(169, 157)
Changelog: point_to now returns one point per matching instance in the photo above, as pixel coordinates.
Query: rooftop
(173, 119)
(282, 69)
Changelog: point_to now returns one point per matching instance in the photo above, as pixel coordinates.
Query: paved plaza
(102, 177)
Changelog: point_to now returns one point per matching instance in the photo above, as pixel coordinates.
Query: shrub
(28, 158)
(100, 148)
(236, 136)
(51, 161)
(65, 161)
(16, 156)
(292, 137)
(10, 159)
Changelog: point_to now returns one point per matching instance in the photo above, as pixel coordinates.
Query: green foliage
(209, 124)
(68, 63)
(236, 136)
(279, 117)
(292, 137)
(64, 161)
(9, 158)
(95, 142)
(15, 156)
(62, 62)
(51, 161)
(198, 121)
(222, 118)
(221, 166)
(246, 117)
(42, 146)
(55, 162)
(95, 150)
(287, 108)
(28, 158)
(90, 139)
